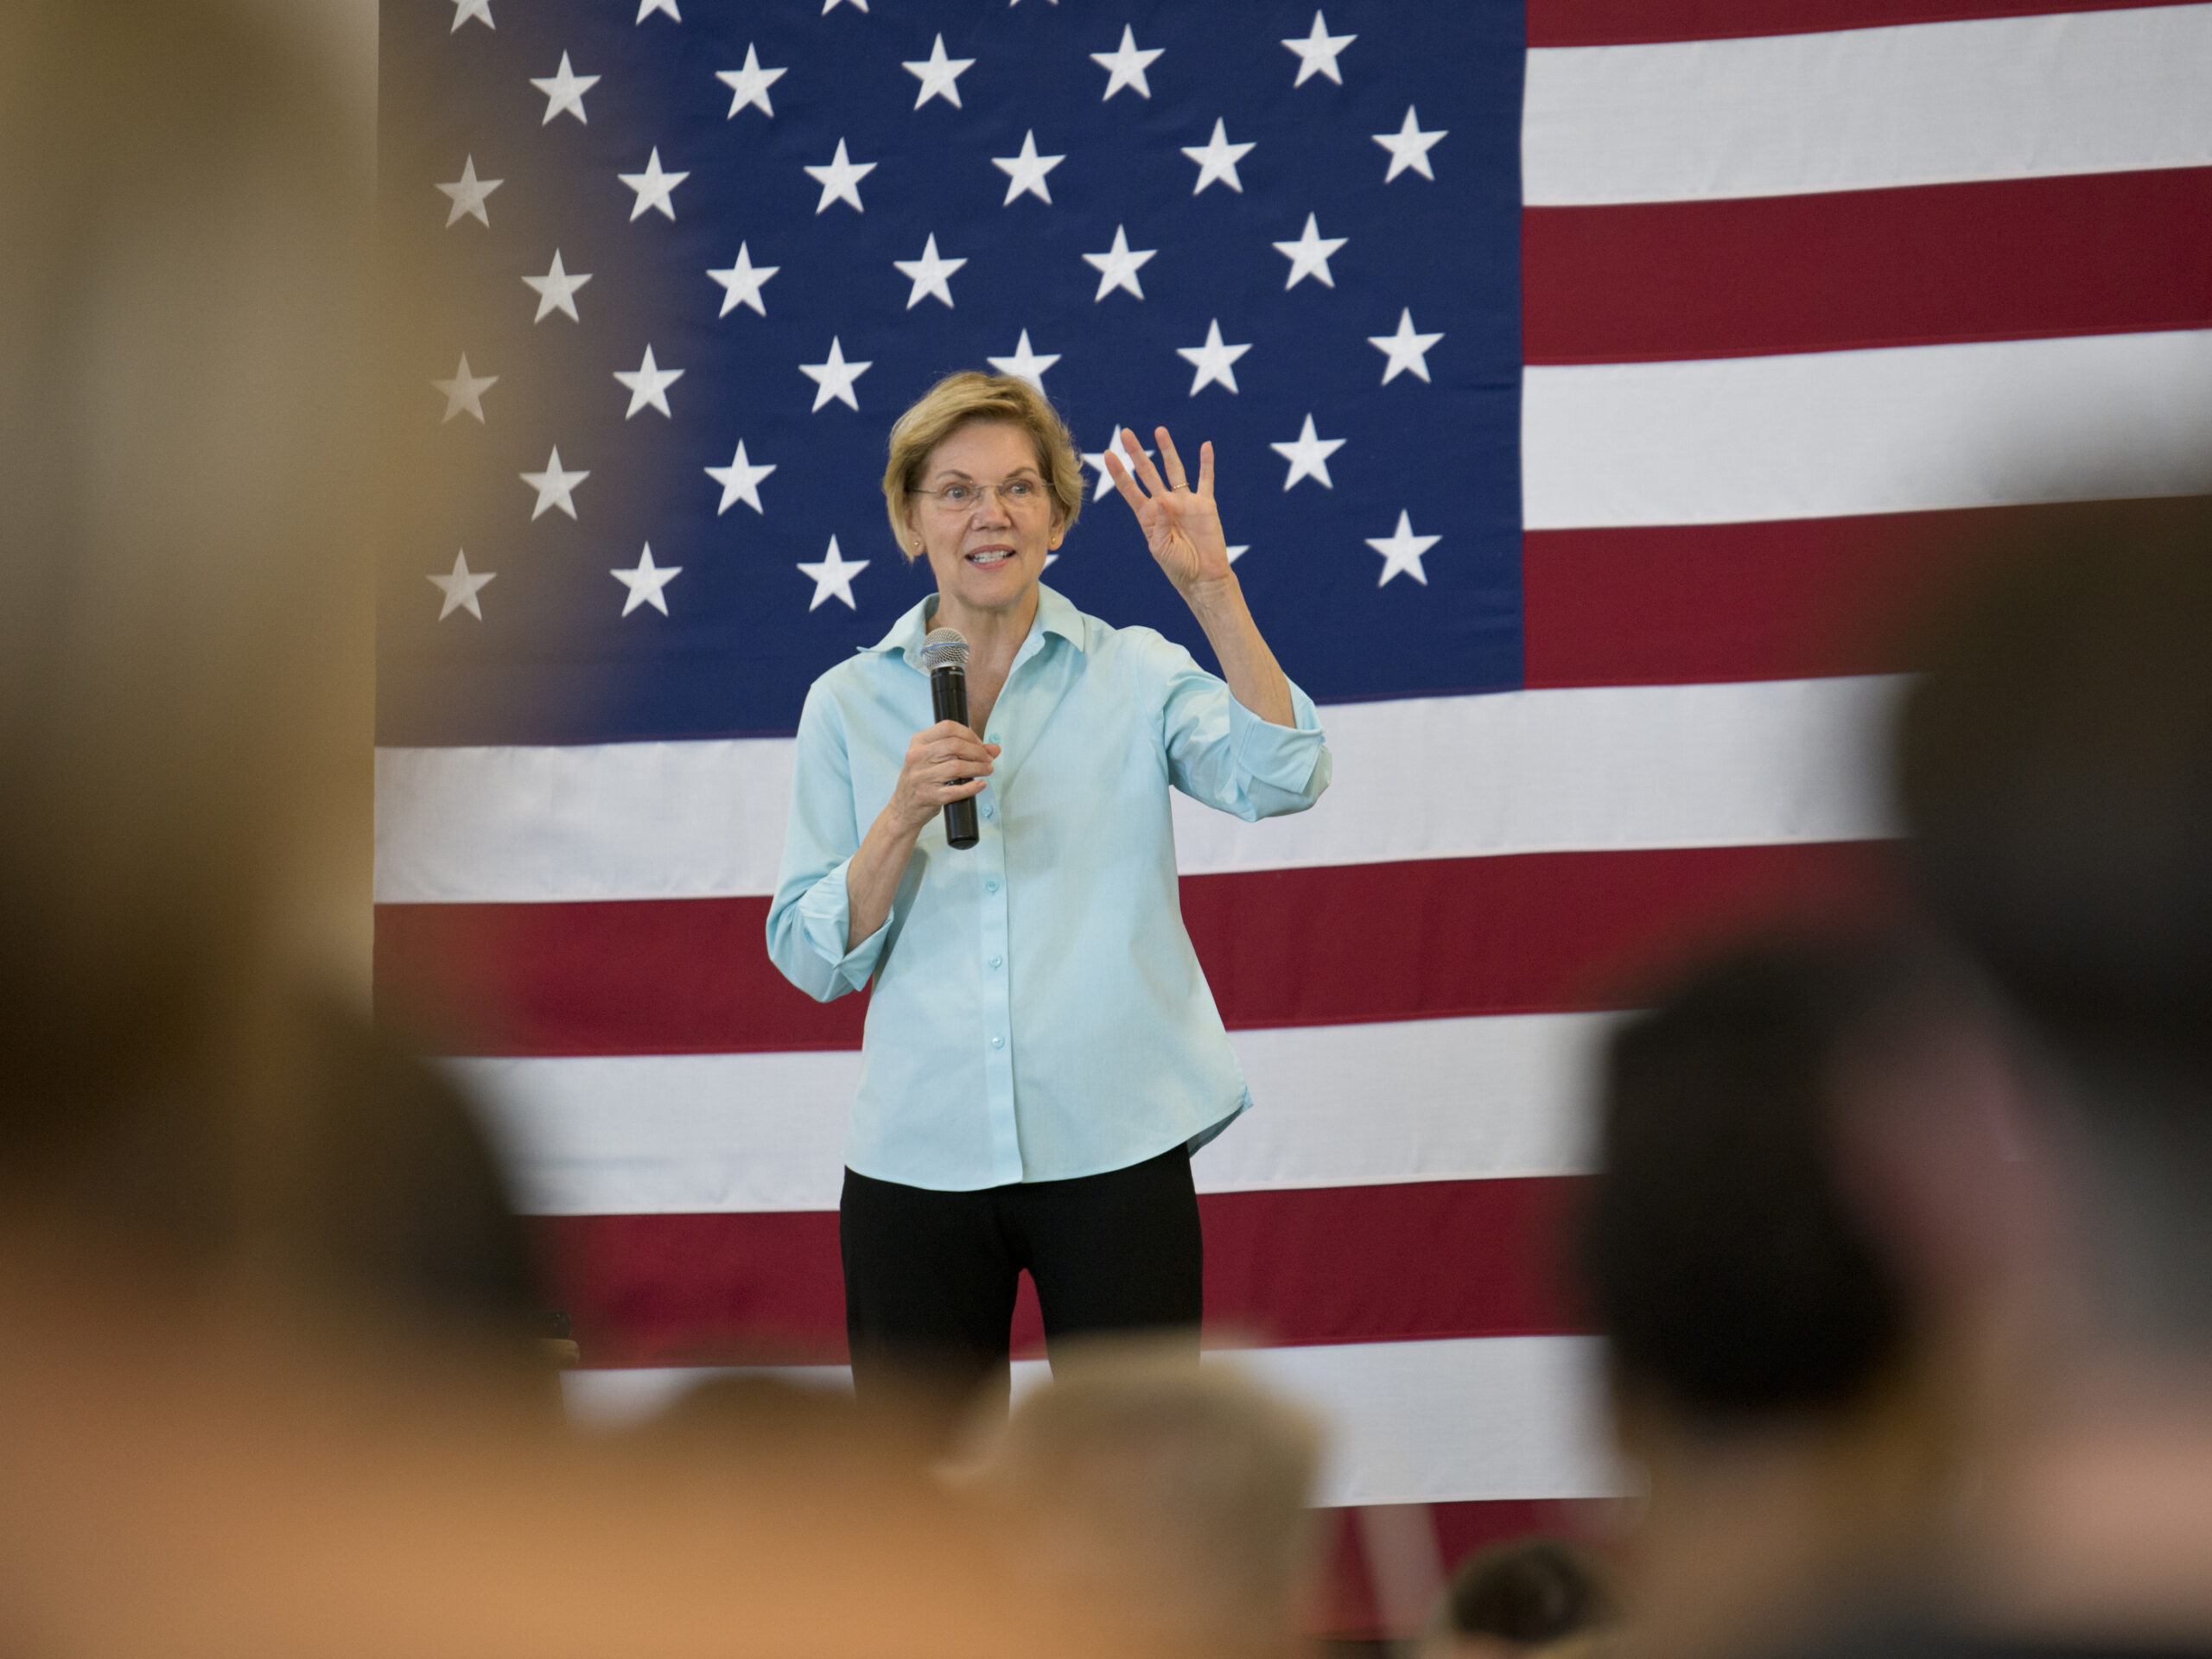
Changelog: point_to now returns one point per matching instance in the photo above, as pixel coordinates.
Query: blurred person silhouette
(2054, 769)
(1178, 1494)
(1798, 1439)
(1514, 1597)
(183, 644)
(237, 1230)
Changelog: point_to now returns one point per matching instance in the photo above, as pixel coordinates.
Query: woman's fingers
(1173, 462)
(1125, 484)
(1205, 469)
(948, 734)
(1141, 463)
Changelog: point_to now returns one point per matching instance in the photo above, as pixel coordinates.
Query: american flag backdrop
(1582, 377)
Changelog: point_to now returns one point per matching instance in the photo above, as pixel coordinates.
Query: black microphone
(944, 654)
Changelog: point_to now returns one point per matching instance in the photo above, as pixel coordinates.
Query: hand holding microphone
(946, 765)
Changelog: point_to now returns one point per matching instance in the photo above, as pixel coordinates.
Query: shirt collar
(1056, 614)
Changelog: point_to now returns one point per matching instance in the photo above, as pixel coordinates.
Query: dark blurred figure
(1514, 1597)
(248, 1253)
(1767, 1373)
(2056, 772)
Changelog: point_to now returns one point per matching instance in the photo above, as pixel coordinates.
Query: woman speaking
(1042, 1054)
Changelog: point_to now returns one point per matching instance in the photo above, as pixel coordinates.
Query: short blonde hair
(963, 399)
(1177, 1493)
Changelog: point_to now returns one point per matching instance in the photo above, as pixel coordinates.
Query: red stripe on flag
(1692, 604)
(1532, 933)
(1535, 933)
(2095, 253)
(633, 977)
(1695, 604)
(1630, 22)
(1318, 1265)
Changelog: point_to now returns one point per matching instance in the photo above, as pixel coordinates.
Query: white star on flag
(835, 378)
(829, 6)
(556, 290)
(1126, 65)
(648, 383)
(565, 92)
(750, 85)
(1402, 551)
(555, 488)
(741, 282)
(1317, 52)
(1239, 549)
(462, 11)
(1218, 158)
(1309, 255)
(1409, 147)
(460, 587)
(928, 274)
(840, 179)
(1118, 266)
(1407, 350)
(1121, 454)
(655, 188)
(644, 580)
(1308, 456)
(1212, 359)
(467, 193)
(1026, 171)
(1025, 364)
(465, 390)
(740, 481)
(646, 7)
(939, 75)
(833, 576)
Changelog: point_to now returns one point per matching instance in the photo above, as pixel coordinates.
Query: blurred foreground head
(1771, 1369)
(1517, 1597)
(2055, 771)
(1730, 1269)
(1175, 1494)
(180, 274)
(179, 311)
(2054, 767)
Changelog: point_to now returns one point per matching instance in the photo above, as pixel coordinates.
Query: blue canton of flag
(673, 267)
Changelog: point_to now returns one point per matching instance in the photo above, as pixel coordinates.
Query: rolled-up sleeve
(809, 917)
(1220, 752)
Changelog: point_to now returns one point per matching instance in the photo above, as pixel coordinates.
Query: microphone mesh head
(944, 648)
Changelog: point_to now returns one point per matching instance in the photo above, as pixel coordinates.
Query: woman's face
(987, 551)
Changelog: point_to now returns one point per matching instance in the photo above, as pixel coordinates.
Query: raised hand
(1181, 525)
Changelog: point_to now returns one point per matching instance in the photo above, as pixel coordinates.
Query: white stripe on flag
(1868, 108)
(1826, 434)
(1349, 1105)
(1462, 1420)
(1586, 770)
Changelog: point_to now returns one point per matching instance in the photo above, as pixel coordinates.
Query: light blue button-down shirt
(1039, 1012)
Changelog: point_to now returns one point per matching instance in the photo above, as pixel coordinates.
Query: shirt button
(994, 961)
(991, 886)
(986, 812)
(998, 1042)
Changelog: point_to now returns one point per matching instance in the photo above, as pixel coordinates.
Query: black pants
(930, 1276)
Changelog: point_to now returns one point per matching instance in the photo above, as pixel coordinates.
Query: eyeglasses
(1015, 495)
